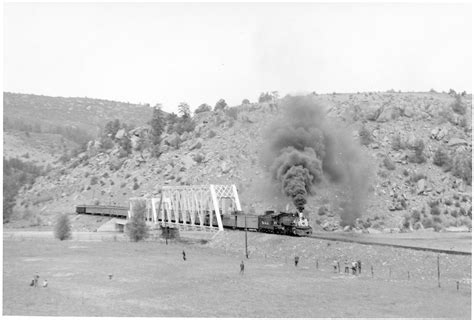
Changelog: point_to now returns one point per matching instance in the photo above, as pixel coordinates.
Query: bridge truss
(190, 206)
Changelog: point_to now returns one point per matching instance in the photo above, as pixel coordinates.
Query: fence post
(439, 283)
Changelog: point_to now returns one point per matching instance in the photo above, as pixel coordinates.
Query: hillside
(406, 190)
(47, 127)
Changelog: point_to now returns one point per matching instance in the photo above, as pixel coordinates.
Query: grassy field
(151, 279)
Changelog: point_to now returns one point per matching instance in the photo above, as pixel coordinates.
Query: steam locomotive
(271, 222)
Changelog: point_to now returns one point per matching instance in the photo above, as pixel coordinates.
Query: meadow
(152, 279)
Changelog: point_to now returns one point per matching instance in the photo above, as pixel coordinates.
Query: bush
(322, 211)
(417, 176)
(458, 106)
(441, 158)
(397, 143)
(448, 202)
(435, 211)
(428, 222)
(416, 215)
(388, 163)
(62, 229)
(232, 113)
(221, 105)
(462, 166)
(136, 186)
(365, 136)
(198, 158)
(94, 180)
(454, 213)
(203, 108)
(212, 134)
(418, 155)
(136, 228)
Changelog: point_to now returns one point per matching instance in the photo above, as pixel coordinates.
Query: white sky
(168, 53)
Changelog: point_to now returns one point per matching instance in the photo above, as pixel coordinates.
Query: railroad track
(344, 237)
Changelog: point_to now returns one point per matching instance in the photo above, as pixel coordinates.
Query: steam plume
(305, 148)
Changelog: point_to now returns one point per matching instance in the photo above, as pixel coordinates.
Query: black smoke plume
(305, 148)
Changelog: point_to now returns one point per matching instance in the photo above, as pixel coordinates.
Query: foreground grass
(151, 279)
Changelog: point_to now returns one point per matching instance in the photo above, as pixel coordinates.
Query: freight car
(113, 211)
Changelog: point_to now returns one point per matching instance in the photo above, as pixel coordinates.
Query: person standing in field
(184, 255)
(242, 267)
(36, 279)
(297, 259)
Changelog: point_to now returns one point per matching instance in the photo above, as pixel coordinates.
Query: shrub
(418, 155)
(448, 202)
(388, 163)
(441, 158)
(458, 106)
(245, 101)
(136, 228)
(203, 108)
(457, 204)
(365, 136)
(322, 211)
(406, 173)
(416, 215)
(417, 176)
(232, 113)
(106, 143)
(94, 180)
(397, 143)
(198, 158)
(462, 166)
(136, 186)
(221, 105)
(428, 222)
(212, 134)
(454, 213)
(62, 229)
(435, 211)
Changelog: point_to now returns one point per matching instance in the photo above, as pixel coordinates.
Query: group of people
(35, 281)
(355, 267)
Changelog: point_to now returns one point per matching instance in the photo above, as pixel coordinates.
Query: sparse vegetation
(388, 163)
(136, 228)
(62, 229)
(441, 158)
(365, 136)
(458, 106)
(418, 156)
(221, 105)
(203, 108)
(397, 143)
(462, 166)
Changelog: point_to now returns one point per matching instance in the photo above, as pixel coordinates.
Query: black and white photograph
(237, 159)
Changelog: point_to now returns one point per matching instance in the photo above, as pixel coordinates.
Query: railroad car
(114, 211)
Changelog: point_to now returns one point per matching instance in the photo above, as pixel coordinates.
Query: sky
(199, 53)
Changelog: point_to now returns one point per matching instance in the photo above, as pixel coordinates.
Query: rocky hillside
(401, 135)
(47, 127)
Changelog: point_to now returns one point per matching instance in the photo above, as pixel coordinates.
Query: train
(270, 222)
(286, 223)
